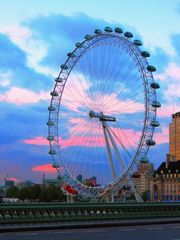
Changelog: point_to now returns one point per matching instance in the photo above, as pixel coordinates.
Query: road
(146, 232)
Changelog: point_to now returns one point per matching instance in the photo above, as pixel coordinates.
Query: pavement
(84, 224)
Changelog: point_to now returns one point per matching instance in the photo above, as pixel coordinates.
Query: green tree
(34, 192)
(12, 192)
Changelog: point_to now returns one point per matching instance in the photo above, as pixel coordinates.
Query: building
(49, 181)
(79, 178)
(91, 182)
(174, 138)
(9, 183)
(27, 183)
(165, 183)
(142, 177)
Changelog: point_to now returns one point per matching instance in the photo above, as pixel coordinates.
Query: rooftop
(173, 167)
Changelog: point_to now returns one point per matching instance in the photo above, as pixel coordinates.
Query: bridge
(63, 212)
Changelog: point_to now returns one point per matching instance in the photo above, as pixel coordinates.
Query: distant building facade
(27, 183)
(9, 183)
(165, 183)
(174, 138)
(142, 177)
(80, 178)
(90, 181)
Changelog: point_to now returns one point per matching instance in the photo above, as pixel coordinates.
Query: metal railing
(52, 212)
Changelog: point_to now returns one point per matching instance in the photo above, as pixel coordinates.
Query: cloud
(17, 33)
(172, 71)
(162, 136)
(63, 33)
(167, 110)
(30, 55)
(92, 137)
(21, 96)
(36, 141)
(77, 95)
(170, 81)
(5, 78)
(44, 168)
(13, 61)
(72, 141)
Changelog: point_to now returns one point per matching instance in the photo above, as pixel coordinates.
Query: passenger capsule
(128, 34)
(54, 94)
(97, 31)
(71, 55)
(59, 79)
(118, 30)
(156, 104)
(144, 160)
(155, 123)
(50, 138)
(87, 37)
(51, 108)
(52, 151)
(64, 66)
(78, 44)
(150, 142)
(108, 29)
(145, 54)
(155, 85)
(151, 68)
(50, 123)
(137, 42)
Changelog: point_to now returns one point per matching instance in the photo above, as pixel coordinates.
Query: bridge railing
(43, 212)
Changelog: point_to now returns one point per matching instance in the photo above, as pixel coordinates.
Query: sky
(35, 37)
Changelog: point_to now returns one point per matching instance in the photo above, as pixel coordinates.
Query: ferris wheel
(102, 112)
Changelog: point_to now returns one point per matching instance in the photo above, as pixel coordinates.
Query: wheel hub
(101, 116)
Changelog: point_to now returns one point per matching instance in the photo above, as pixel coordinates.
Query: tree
(12, 192)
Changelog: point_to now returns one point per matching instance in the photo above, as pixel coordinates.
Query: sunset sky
(35, 36)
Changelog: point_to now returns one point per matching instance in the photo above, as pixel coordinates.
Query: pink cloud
(127, 136)
(83, 141)
(172, 71)
(36, 141)
(76, 96)
(21, 96)
(167, 110)
(163, 136)
(72, 141)
(16, 32)
(171, 78)
(44, 168)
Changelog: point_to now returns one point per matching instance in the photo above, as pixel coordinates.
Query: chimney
(167, 160)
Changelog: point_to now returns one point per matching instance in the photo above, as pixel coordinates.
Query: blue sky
(35, 37)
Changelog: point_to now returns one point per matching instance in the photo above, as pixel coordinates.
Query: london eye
(102, 112)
